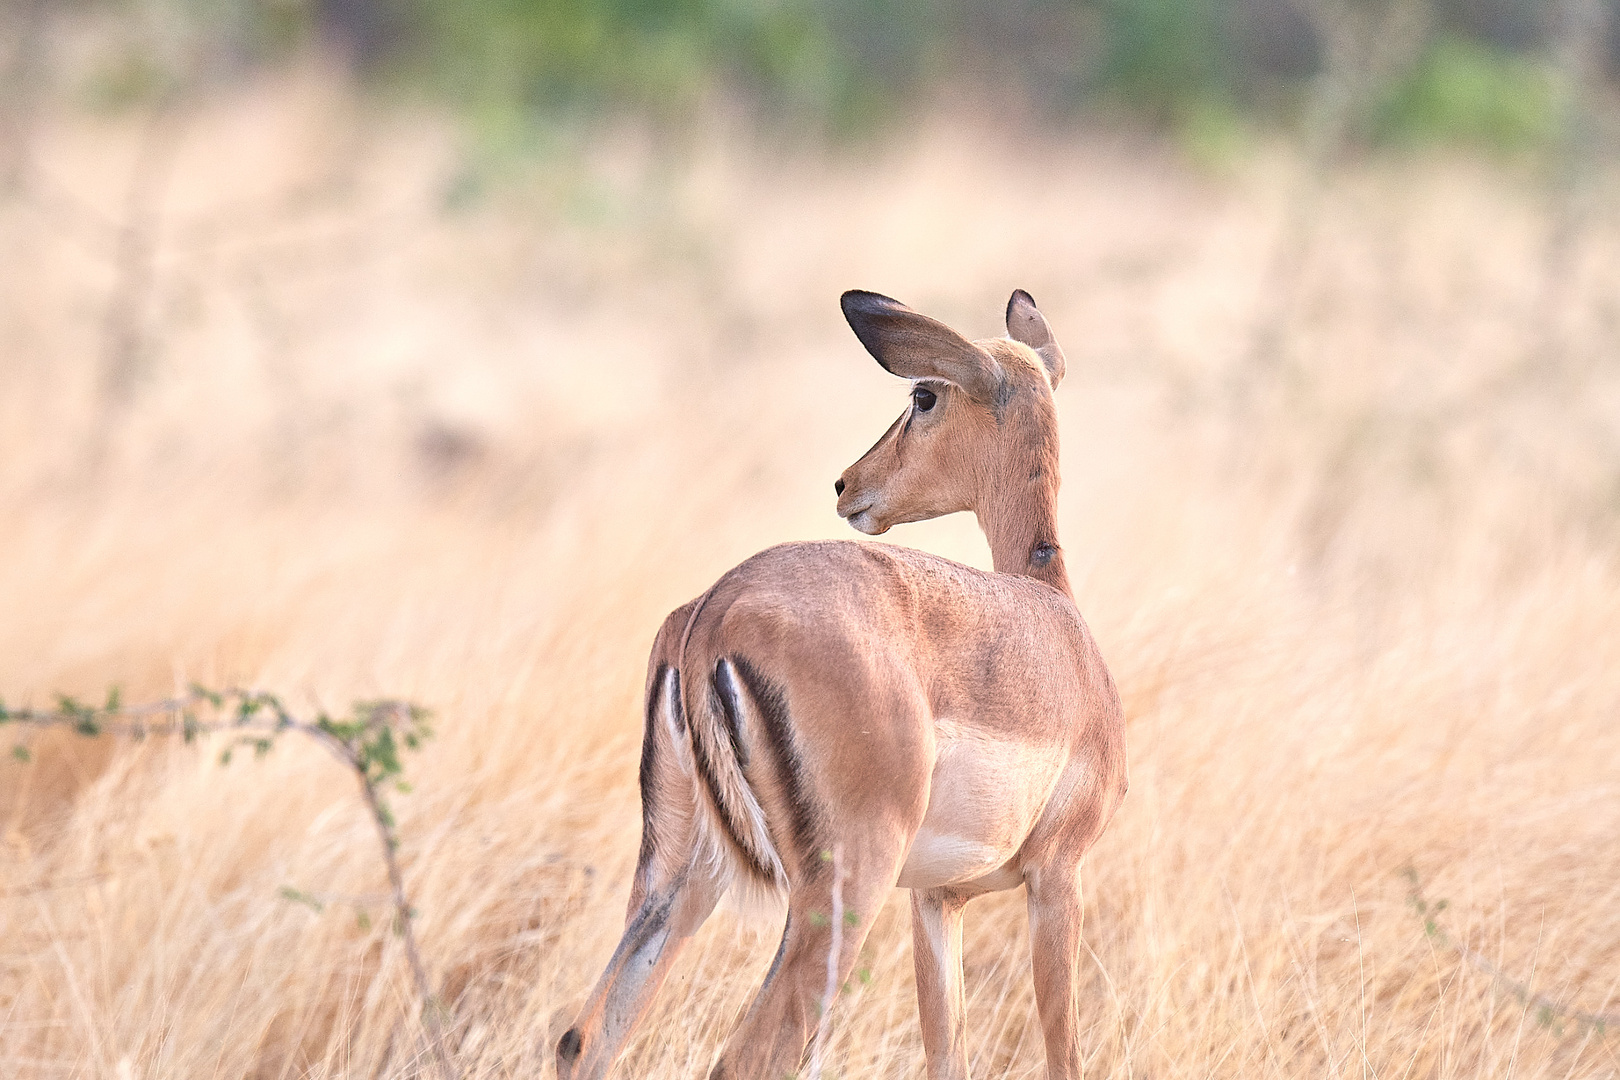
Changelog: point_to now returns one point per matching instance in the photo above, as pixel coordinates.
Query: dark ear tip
(1019, 294)
(864, 311)
(861, 302)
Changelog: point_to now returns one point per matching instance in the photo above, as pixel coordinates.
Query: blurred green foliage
(1468, 92)
(654, 54)
(1167, 56)
(828, 62)
(1201, 67)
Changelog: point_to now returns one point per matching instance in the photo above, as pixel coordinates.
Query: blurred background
(177, 171)
(438, 349)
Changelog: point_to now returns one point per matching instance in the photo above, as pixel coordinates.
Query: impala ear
(914, 346)
(1025, 323)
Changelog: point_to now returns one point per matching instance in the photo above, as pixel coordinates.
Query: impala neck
(1020, 521)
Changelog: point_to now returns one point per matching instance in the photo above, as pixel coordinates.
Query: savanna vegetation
(433, 352)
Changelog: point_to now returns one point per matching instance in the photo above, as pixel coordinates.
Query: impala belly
(984, 799)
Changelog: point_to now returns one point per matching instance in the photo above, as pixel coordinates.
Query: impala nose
(838, 487)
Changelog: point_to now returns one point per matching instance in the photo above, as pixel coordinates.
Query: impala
(947, 730)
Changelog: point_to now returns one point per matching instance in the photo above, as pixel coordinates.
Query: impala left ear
(1025, 323)
(913, 346)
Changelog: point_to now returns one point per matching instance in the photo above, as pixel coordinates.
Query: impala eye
(923, 398)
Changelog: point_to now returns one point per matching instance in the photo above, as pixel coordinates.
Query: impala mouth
(863, 521)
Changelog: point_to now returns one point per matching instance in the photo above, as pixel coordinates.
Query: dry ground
(1358, 583)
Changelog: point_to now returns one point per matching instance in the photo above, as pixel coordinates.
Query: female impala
(951, 731)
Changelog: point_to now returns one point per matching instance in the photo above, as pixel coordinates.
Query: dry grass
(1365, 621)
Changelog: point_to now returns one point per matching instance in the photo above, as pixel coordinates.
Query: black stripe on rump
(772, 702)
(781, 951)
(649, 760)
(726, 691)
(729, 815)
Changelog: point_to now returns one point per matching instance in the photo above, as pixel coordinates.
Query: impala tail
(699, 811)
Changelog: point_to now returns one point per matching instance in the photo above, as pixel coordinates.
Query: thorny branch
(1548, 1011)
(367, 742)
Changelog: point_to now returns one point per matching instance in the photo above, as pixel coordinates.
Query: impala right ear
(1026, 323)
(914, 346)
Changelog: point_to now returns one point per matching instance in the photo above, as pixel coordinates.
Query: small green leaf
(818, 919)
(113, 700)
(225, 756)
(864, 975)
(362, 919)
(852, 918)
(20, 752)
(383, 751)
(213, 697)
(298, 897)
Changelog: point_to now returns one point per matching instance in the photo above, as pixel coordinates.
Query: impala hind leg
(653, 937)
(1054, 939)
(772, 1040)
(936, 947)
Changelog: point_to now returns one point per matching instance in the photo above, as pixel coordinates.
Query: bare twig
(125, 349)
(1366, 46)
(1549, 1012)
(818, 1046)
(23, 22)
(1579, 37)
(404, 923)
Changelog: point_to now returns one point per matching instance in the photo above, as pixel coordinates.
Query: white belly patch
(985, 797)
(943, 859)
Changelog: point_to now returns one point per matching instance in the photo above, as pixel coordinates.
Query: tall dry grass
(1360, 591)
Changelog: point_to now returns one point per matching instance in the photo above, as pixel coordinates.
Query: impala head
(980, 429)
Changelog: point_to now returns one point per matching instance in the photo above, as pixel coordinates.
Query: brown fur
(949, 730)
